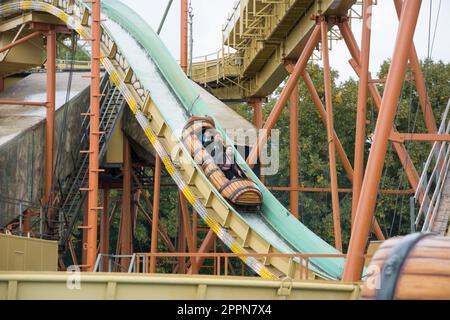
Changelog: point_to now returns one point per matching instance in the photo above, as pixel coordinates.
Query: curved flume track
(162, 98)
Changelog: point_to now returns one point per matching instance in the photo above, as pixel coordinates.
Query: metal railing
(29, 220)
(433, 178)
(63, 64)
(140, 262)
(114, 264)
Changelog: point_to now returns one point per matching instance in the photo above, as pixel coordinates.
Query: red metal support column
(23, 40)
(408, 165)
(187, 230)
(330, 133)
(126, 230)
(194, 228)
(184, 36)
(206, 245)
(104, 228)
(155, 220)
(285, 94)
(361, 108)
(94, 133)
(366, 206)
(258, 122)
(85, 234)
(181, 240)
(323, 115)
(293, 146)
(50, 118)
(419, 79)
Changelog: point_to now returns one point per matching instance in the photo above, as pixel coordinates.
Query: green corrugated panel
(289, 228)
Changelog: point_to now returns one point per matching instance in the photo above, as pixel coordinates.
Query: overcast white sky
(210, 15)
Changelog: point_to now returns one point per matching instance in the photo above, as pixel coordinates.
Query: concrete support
(330, 134)
(126, 229)
(367, 201)
(155, 220)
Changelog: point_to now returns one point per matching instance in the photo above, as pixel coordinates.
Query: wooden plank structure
(415, 267)
(240, 191)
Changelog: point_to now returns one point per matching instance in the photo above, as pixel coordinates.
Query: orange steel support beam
(187, 229)
(94, 136)
(126, 230)
(419, 79)
(85, 234)
(285, 94)
(258, 122)
(23, 40)
(50, 120)
(408, 165)
(330, 131)
(205, 247)
(164, 236)
(293, 146)
(184, 36)
(155, 220)
(104, 228)
(361, 109)
(194, 228)
(341, 190)
(402, 137)
(323, 115)
(181, 240)
(364, 214)
(24, 103)
(161, 231)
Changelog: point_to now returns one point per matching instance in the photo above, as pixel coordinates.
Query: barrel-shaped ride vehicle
(239, 190)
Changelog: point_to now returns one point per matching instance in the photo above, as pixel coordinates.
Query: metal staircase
(434, 185)
(72, 194)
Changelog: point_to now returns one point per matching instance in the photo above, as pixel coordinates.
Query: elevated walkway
(257, 37)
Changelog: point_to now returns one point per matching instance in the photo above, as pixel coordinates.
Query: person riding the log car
(217, 161)
(229, 167)
(217, 149)
(207, 138)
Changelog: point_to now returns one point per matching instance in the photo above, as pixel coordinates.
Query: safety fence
(223, 264)
(433, 178)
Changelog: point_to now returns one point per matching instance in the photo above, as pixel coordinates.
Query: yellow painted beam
(100, 286)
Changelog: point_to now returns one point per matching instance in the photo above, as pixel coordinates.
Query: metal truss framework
(365, 184)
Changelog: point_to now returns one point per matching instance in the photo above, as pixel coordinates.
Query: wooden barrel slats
(240, 191)
(424, 273)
